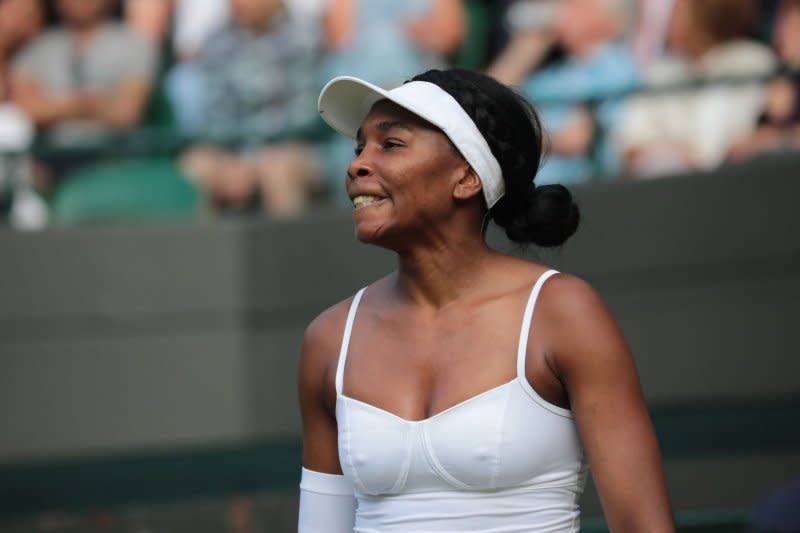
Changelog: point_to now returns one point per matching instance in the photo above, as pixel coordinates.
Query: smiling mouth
(365, 200)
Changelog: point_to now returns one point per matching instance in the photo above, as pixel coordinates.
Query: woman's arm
(327, 501)
(316, 388)
(591, 357)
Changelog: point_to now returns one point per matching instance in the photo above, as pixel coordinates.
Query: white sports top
(504, 460)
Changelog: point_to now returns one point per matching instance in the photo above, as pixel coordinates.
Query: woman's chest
(418, 372)
(499, 438)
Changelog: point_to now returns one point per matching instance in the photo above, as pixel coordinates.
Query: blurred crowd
(636, 88)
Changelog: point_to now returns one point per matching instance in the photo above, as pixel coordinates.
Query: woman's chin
(369, 223)
(372, 232)
(367, 233)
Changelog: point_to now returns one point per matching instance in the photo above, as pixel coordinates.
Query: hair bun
(547, 216)
(544, 215)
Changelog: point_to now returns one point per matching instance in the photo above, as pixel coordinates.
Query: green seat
(130, 188)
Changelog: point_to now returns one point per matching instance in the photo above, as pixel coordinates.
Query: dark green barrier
(690, 431)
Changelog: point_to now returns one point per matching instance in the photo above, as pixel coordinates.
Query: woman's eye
(387, 145)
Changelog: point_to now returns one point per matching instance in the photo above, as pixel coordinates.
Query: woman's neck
(440, 273)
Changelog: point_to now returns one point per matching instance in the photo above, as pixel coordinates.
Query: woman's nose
(359, 167)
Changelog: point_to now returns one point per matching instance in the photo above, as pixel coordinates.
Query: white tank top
(504, 460)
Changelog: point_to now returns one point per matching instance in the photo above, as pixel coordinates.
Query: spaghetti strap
(348, 328)
(522, 349)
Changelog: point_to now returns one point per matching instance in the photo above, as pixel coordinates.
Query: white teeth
(362, 200)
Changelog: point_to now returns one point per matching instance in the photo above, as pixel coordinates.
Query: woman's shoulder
(564, 297)
(577, 320)
(325, 331)
(324, 334)
(561, 285)
(319, 353)
(569, 297)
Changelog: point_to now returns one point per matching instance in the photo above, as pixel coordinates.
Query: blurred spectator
(385, 42)
(779, 124)
(512, 17)
(779, 512)
(694, 128)
(81, 81)
(388, 42)
(194, 22)
(20, 21)
(597, 65)
(258, 75)
(307, 8)
(650, 41)
(787, 34)
(88, 76)
(530, 25)
(150, 18)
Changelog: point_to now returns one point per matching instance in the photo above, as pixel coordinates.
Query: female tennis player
(467, 391)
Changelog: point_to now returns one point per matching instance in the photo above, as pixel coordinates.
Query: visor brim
(345, 102)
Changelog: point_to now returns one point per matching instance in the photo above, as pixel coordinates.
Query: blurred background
(172, 214)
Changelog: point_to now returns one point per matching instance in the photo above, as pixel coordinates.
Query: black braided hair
(546, 215)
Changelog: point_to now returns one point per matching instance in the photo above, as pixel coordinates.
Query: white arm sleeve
(327, 503)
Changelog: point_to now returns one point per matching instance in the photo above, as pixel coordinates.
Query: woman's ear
(468, 185)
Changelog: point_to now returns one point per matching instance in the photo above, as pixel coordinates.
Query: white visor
(345, 102)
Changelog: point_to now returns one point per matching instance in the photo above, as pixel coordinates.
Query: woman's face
(402, 178)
